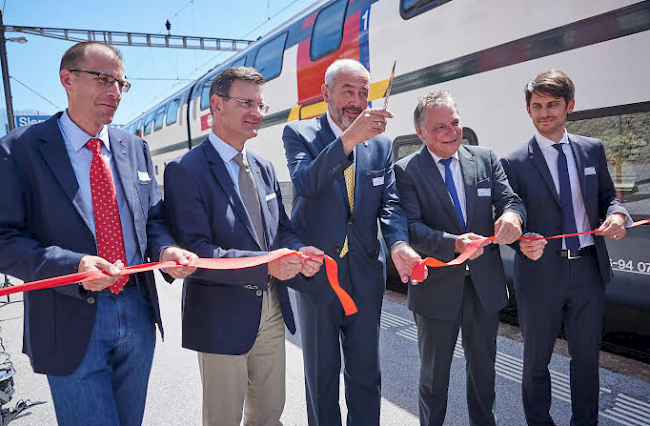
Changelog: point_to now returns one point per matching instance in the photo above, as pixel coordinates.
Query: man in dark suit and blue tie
(565, 185)
(343, 181)
(449, 192)
(79, 196)
(224, 201)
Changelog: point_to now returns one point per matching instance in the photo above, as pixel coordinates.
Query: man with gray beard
(343, 182)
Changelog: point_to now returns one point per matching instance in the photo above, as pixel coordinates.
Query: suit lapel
(579, 155)
(218, 168)
(469, 170)
(537, 158)
(125, 169)
(55, 154)
(326, 136)
(432, 175)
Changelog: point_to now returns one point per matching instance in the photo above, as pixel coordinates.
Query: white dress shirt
(550, 155)
(458, 179)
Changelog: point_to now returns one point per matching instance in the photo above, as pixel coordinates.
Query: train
(483, 53)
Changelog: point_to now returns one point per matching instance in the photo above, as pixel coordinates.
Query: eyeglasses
(250, 104)
(108, 80)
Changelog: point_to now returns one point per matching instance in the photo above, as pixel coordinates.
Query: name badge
(484, 192)
(271, 196)
(378, 181)
(590, 171)
(143, 176)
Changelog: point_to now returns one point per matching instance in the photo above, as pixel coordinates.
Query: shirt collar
(437, 159)
(226, 151)
(77, 137)
(545, 142)
(335, 127)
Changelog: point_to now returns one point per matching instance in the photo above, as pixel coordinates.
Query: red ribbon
(417, 274)
(216, 264)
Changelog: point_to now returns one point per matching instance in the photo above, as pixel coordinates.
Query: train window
(469, 137)
(172, 111)
(405, 145)
(138, 127)
(148, 123)
(411, 8)
(268, 60)
(239, 62)
(328, 30)
(160, 115)
(625, 132)
(205, 94)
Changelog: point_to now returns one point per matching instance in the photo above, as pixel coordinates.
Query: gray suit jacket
(434, 226)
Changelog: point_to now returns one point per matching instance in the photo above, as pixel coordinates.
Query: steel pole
(5, 76)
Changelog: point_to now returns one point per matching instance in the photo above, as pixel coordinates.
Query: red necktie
(108, 226)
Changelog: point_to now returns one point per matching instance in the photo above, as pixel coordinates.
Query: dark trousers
(325, 333)
(570, 292)
(436, 342)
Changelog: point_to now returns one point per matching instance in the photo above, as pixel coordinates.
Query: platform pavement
(175, 394)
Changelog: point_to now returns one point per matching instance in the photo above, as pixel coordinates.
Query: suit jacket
(321, 214)
(434, 225)
(44, 233)
(221, 309)
(530, 177)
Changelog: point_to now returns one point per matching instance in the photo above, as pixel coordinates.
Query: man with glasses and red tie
(565, 185)
(79, 196)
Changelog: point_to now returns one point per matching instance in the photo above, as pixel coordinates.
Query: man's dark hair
(553, 82)
(74, 56)
(221, 83)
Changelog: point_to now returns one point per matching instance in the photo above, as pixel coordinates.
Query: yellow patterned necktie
(349, 185)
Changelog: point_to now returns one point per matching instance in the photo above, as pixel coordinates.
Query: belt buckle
(570, 257)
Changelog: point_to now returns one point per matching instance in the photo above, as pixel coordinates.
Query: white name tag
(378, 181)
(590, 171)
(143, 176)
(484, 192)
(271, 196)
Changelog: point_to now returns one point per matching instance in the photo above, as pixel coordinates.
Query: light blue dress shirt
(80, 157)
(227, 153)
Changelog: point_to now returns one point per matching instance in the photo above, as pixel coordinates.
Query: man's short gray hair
(433, 99)
(343, 65)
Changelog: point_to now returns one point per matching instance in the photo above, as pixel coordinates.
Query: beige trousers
(252, 383)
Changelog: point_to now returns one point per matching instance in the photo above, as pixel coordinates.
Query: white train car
(483, 52)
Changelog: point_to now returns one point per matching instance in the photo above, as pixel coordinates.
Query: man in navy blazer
(96, 347)
(453, 194)
(223, 201)
(565, 185)
(341, 218)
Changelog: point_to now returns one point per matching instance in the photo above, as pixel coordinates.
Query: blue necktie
(451, 187)
(566, 199)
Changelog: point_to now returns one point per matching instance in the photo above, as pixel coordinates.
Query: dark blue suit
(448, 299)
(553, 290)
(221, 309)
(44, 233)
(321, 217)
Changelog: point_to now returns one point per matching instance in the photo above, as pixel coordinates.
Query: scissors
(390, 86)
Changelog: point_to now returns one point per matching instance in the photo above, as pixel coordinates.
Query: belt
(132, 282)
(584, 251)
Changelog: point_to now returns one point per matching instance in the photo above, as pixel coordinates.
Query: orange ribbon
(216, 264)
(417, 274)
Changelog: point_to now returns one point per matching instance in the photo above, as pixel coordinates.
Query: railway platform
(175, 394)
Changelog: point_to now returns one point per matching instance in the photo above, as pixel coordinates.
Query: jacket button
(258, 293)
(349, 221)
(90, 300)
